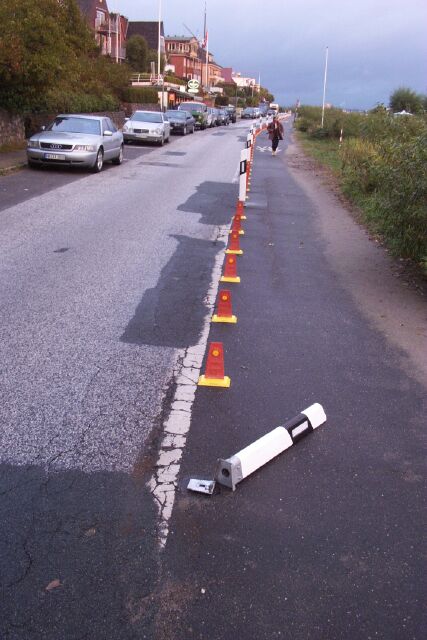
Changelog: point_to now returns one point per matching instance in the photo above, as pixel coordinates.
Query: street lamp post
(158, 46)
(324, 86)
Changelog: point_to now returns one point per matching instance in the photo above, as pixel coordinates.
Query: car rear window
(76, 125)
(190, 107)
(147, 116)
(176, 114)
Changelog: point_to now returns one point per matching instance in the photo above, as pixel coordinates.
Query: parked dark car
(181, 122)
(231, 113)
(249, 113)
(224, 117)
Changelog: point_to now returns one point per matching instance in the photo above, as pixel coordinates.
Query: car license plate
(54, 156)
(141, 135)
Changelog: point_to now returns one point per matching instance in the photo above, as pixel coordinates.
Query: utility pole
(324, 86)
(158, 47)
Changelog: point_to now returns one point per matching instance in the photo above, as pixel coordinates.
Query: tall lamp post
(324, 86)
(159, 57)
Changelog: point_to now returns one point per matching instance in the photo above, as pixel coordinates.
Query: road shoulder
(389, 297)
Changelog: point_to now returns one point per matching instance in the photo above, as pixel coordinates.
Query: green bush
(143, 95)
(386, 176)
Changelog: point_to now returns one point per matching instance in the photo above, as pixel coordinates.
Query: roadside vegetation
(49, 60)
(381, 166)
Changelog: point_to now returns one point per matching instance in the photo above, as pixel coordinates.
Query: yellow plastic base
(228, 319)
(234, 252)
(229, 279)
(243, 218)
(214, 382)
(241, 232)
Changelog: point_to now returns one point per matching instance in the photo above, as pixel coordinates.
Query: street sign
(193, 86)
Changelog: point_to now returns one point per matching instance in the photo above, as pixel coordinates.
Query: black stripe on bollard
(298, 427)
(243, 165)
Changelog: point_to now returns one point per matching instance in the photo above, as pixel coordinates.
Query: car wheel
(119, 158)
(168, 138)
(33, 165)
(99, 162)
(184, 131)
(162, 141)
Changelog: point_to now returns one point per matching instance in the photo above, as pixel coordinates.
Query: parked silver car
(77, 140)
(147, 126)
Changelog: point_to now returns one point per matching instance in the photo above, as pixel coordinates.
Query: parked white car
(147, 126)
(76, 140)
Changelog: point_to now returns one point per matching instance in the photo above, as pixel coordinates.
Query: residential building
(214, 75)
(110, 29)
(227, 74)
(183, 53)
(244, 82)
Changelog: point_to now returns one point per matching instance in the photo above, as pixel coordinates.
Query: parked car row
(89, 141)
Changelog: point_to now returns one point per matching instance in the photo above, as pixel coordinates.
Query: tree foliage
(49, 60)
(406, 99)
(137, 53)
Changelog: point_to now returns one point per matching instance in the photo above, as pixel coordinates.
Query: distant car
(257, 112)
(231, 113)
(181, 122)
(248, 113)
(271, 112)
(211, 117)
(76, 140)
(224, 117)
(216, 116)
(198, 110)
(147, 126)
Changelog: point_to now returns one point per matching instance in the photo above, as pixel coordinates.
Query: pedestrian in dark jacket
(275, 133)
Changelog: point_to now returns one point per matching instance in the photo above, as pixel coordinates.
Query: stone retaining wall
(11, 129)
(14, 129)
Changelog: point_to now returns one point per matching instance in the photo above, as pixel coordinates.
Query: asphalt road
(100, 282)
(103, 288)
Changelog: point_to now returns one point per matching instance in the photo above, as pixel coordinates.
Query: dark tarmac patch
(161, 164)
(215, 201)
(62, 250)
(172, 313)
(92, 536)
(175, 153)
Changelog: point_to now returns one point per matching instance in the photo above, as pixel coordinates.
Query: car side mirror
(108, 133)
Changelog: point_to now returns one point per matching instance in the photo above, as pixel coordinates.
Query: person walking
(275, 133)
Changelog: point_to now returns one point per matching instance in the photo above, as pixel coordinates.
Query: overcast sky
(375, 46)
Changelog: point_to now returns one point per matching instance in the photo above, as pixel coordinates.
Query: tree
(49, 60)
(406, 99)
(41, 44)
(153, 57)
(137, 53)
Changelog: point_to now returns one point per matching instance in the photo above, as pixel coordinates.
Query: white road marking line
(163, 483)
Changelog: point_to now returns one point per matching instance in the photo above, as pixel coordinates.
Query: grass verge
(325, 151)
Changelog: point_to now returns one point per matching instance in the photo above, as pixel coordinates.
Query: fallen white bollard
(233, 470)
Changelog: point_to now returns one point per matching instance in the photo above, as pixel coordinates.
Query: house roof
(181, 38)
(88, 7)
(148, 30)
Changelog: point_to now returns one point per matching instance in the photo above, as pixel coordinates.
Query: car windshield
(190, 107)
(147, 116)
(180, 115)
(76, 125)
